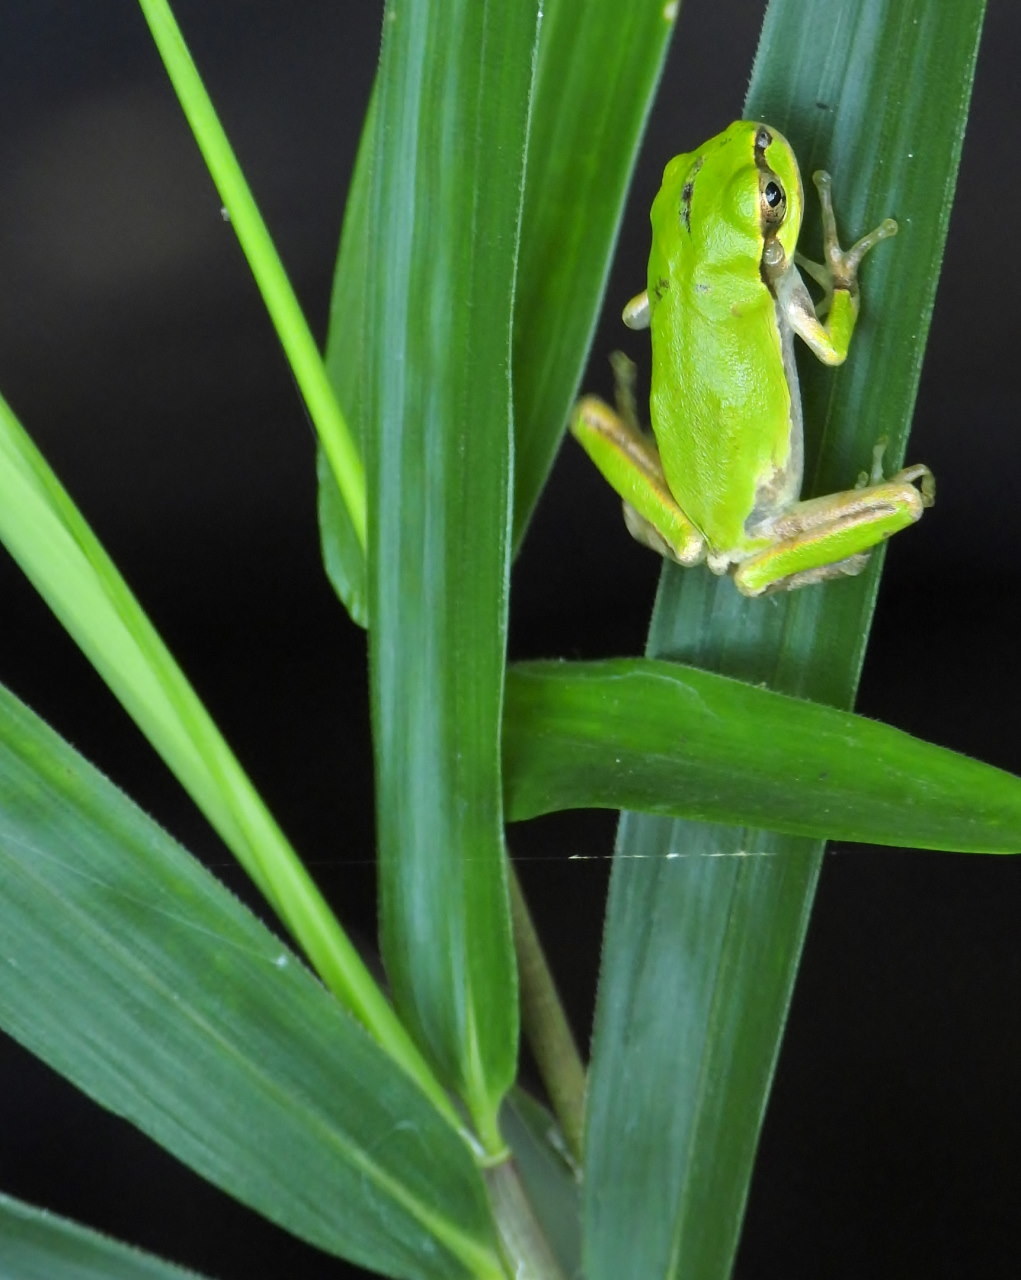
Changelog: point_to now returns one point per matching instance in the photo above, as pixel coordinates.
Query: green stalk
(284, 309)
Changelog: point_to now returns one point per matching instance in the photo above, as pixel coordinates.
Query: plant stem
(546, 1027)
(527, 1249)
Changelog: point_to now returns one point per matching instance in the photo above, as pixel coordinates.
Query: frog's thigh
(628, 459)
(830, 537)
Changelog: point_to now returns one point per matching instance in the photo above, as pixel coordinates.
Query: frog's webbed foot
(840, 270)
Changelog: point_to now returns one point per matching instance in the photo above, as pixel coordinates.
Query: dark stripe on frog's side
(763, 139)
(686, 193)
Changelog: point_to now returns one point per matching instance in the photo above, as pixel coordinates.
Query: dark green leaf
(599, 63)
(701, 951)
(669, 739)
(452, 104)
(131, 971)
(36, 1245)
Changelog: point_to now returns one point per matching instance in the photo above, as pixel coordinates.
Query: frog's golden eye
(772, 202)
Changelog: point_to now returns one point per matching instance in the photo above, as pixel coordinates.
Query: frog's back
(724, 391)
(721, 396)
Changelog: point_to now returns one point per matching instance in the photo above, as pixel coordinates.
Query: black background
(134, 347)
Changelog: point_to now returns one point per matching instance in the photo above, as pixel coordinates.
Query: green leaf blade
(659, 737)
(832, 87)
(598, 67)
(137, 976)
(452, 102)
(59, 553)
(36, 1245)
(340, 457)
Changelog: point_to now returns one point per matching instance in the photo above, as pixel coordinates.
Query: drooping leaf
(133, 973)
(701, 950)
(662, 738)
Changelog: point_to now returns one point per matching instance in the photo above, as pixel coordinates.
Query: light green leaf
(599, 64)
(669, 739)
(36, 1245)
(701, 950)
(452, 104)
(341, 460)
(133, 973)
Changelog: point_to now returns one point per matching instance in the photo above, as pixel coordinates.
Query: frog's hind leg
(629, 460)
(831, 537)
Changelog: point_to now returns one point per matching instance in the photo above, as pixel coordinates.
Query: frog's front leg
(629, 460)
(838, 276)
(831, 537)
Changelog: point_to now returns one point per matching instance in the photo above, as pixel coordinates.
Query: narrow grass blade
(342, 456)
(133, 973)
(598, 67)
(36, 1245)
(452, 103)
(47, 536)
(701, 950)
(659, 737)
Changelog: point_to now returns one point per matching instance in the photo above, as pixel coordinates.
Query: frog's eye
(772, 202)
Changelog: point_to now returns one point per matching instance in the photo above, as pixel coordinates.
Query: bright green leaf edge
(135, 974)
(37, 1245)
(659, 737)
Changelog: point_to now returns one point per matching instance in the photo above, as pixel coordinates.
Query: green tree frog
(721, 481)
